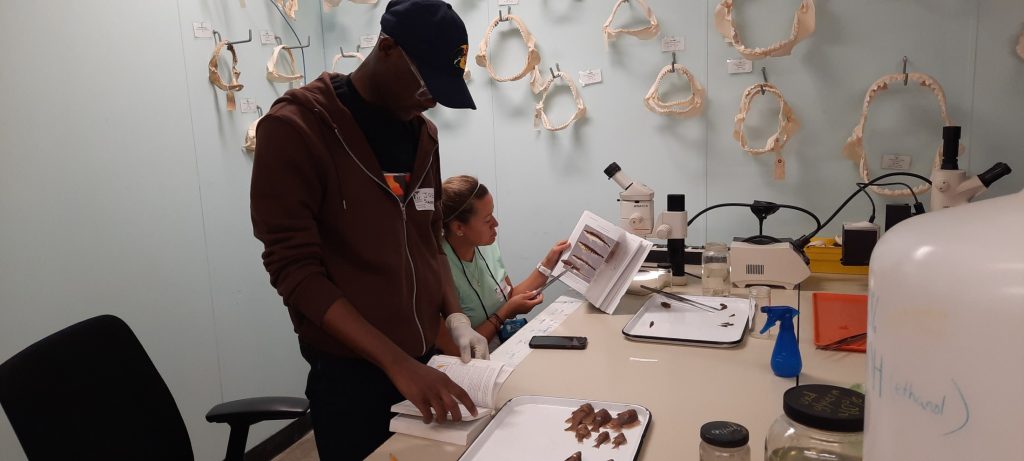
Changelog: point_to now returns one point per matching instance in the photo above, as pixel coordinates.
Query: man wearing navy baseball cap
(434, 38)
(345, 196)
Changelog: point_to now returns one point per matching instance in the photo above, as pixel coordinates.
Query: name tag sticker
(503, 287)
(424, 199)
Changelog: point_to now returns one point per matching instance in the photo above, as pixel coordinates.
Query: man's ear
(386, 45)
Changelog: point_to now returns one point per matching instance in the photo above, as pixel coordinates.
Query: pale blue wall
(123, 187)
(543, 180)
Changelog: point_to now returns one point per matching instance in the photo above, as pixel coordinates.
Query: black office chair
(90, 391)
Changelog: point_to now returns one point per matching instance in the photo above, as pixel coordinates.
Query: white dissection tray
(682, 324)
(533, 428)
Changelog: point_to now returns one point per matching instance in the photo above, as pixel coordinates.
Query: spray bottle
(786, 361)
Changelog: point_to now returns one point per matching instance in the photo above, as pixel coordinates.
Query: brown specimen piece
(602, 439)
(578, 456)
(666, 305)
(624, 419)
(619, 440)
(582, 432)
(584, 413)
(601, 418)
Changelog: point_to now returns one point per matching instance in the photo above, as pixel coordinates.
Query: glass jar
(760, 296)
(820, 422)
(724, 441)
(715, 269)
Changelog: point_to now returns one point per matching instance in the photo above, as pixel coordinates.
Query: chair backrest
(90, 391)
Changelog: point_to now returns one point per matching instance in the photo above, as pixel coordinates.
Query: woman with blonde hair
(485, 291)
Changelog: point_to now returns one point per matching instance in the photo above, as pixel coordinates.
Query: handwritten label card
(590, 77)
(673, 44)
(368, 41)
(896, 162)
(247, 105)
(739, 66)
(267, 37)
(202, 30)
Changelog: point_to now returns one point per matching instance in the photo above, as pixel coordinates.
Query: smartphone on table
(558, 342)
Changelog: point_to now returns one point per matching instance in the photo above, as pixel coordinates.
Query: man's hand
(470, 343)
(431, 390)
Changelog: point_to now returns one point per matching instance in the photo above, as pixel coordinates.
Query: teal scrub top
(484, 276)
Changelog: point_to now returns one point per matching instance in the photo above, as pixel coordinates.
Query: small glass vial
(819, 422)
(724, 441)
(715, 270)
(760, 296)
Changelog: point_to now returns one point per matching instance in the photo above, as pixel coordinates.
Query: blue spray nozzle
(786, 360)
(776, 314)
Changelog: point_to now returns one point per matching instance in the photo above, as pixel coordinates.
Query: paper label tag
(780, 169)
(424, 199)
(739, 66)
(896, 162)
(507, 2)
(503, 288)
(268, 38)
(368, 41)
(202, 30)
(673, 44)
(590, 77)
(247, 105)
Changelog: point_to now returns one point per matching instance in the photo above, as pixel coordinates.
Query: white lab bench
(683, 386)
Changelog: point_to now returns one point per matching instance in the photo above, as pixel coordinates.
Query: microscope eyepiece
(612, 169)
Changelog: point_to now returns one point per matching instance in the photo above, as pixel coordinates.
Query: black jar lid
(724, 434)
(825, 407)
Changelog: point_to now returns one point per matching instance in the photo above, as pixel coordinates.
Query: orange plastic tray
(837, 316)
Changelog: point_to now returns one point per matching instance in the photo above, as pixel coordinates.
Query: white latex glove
(471, 344)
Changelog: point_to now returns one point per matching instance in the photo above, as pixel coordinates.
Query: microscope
(636, 215)
(950, 185)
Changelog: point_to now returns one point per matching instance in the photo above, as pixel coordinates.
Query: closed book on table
(460, 433)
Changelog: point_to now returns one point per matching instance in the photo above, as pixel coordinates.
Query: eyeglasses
(423, 93)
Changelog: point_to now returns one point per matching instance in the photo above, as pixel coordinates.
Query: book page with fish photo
(601, 260)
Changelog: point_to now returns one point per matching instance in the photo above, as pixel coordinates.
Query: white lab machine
(945, 335)
(775, 264)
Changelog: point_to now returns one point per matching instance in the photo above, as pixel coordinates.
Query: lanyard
(854, 148)
(803, 27)
(788, 124)
(687, 107)
(214, 73)
(470, 282)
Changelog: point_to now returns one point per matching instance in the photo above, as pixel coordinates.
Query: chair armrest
(253, 410)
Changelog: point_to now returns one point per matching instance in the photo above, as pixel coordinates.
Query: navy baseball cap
(431, 33)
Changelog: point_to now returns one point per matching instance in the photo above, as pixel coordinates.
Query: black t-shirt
(394, 142)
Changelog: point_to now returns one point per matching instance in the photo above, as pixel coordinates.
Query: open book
(480, 378)
(602, 260)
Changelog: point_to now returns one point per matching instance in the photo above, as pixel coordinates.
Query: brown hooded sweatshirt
(332, 228)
